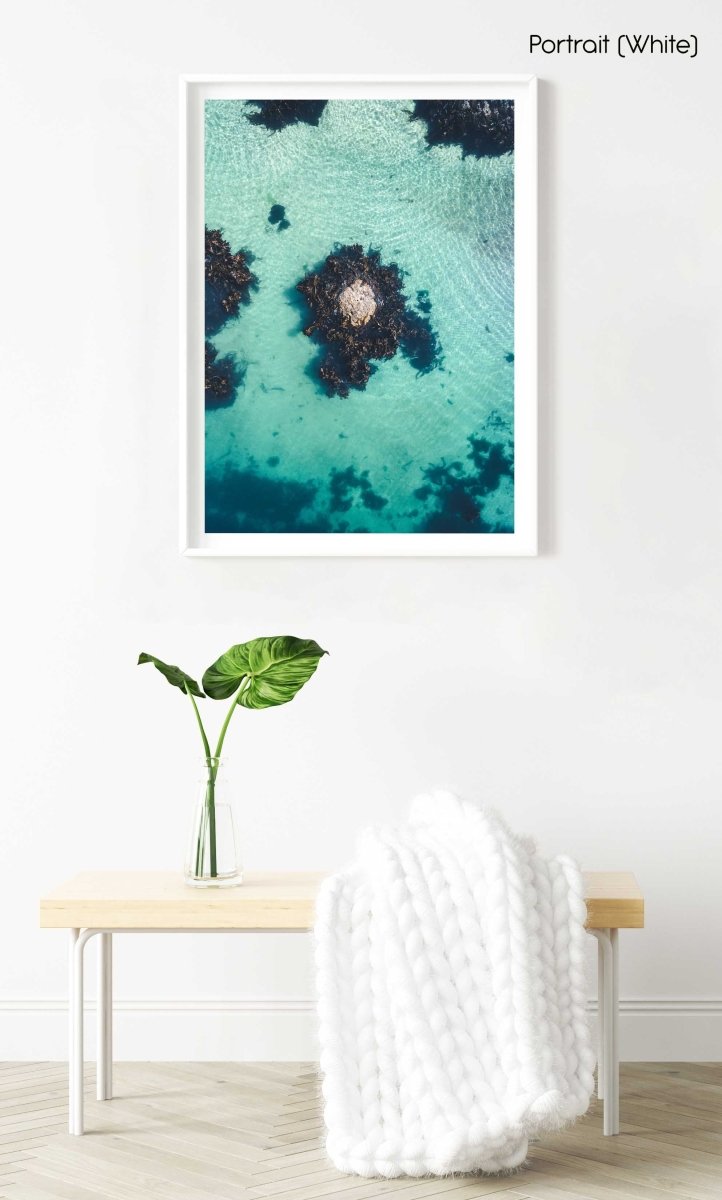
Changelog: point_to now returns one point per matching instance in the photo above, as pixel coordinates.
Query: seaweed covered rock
(229, 281)
(483, 128)
(277, 114)
(223, 376)
(359, 313)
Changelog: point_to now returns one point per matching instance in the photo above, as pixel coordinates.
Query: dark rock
(483, 128)
(229, 281)
(276, 214)
(223, 378)
(360, 314)
(277, 114)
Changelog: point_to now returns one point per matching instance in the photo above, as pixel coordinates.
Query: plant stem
(206, 744)
(210, 803)
(212, 765)
(199, 844)
(211, 806)
(245, 684)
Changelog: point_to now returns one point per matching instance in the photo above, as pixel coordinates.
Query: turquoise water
(410, 452)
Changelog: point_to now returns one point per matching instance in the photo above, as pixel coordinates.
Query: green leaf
(174, 675)
(276, 668)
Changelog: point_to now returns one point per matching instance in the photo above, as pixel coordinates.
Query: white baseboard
(669, 1030)
(252, 1029)
(283, 1029)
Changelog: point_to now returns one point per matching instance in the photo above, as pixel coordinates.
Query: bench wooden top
(266, 900)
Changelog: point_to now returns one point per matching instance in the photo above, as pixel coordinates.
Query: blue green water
(410, 452)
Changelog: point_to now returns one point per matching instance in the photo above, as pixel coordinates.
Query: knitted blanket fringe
(451, 996)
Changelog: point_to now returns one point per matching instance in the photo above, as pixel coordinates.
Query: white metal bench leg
(71, 1030)
(78, 939)
(614, 939)
(608, 1067)
(600, 1020)
(104, 1075)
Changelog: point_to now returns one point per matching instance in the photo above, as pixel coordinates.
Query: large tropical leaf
(174, 675)
(276, 668)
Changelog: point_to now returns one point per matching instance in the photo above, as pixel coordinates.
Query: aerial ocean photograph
(359, 316)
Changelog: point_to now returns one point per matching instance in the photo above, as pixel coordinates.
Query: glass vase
(213, 859)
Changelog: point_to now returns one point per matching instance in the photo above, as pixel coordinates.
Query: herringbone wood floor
(236, 1131)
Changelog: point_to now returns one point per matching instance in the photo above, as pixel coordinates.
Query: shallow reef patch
(419, 344)
(483, 128)
(277, 216)
(348, 485)
(458, 492)
(243, 500)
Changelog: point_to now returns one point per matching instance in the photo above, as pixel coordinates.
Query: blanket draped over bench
(452, 996)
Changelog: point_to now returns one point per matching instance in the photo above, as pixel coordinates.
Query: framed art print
(359, 316)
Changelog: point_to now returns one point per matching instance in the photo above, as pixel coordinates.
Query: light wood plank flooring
(229, 1131)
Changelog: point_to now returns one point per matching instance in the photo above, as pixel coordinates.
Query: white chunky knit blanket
(451, 992)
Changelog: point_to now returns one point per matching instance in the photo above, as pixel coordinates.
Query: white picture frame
(194, 91)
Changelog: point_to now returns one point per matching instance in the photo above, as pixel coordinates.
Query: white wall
(580, 691)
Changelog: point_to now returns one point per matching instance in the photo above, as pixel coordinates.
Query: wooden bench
(108, 902)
